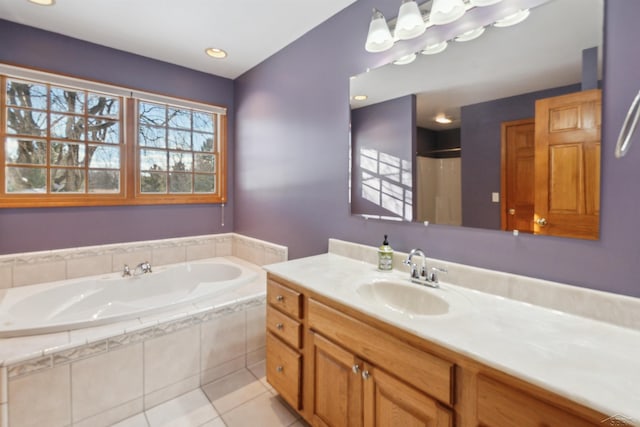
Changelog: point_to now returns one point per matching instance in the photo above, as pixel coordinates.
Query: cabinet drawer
(422, 370)
(501, 405)
(284, 327)
(284, 299)
(283, 370)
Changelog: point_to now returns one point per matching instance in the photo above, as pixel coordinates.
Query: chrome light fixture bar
(414, 19)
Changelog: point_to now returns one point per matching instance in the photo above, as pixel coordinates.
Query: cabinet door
(337, 385)
(390, 402)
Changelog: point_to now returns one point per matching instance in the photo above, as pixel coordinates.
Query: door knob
(541, 222)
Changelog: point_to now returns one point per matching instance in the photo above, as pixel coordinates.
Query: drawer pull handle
(355, 368)
(279, 326)
(279, 368)
(365, 375)
(279, 298)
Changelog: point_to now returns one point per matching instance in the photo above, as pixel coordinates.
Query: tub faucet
(126, 271)
(422, 276)
(142, 268)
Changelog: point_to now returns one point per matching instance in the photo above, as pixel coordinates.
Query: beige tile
(202, 251)
(172, 391)
(272, 256)
(12, 349)
(233, 390)
(88, 266)
(224, 247)
(191, 409)
(103, 331)
(256, 356)
(106, 381)
(132, 259)
(171, 358)
(41, 399)
(113, 415)
(29, 274)
(3, 384)
(264, 410)
(214, 423)
(6, 276)
(168, 255)
(259, 370)
(300, 423)
(222, 370)
(256, 327)
(4, 415)
(136, 421)
(222, 339)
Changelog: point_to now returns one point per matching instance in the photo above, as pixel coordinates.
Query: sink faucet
(422, 277)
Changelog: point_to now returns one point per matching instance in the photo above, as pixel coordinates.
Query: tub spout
(142, 268)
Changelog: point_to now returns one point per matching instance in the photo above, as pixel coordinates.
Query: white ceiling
(545, 51)
(178, 31)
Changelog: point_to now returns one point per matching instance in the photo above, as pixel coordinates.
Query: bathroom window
(60, 141)
(72, 142)
(178, 151)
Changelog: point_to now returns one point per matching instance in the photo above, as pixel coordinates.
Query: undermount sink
(405, 298)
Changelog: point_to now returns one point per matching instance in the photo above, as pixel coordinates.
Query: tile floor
(242, 399)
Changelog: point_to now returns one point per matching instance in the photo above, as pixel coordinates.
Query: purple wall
(481, 140)
(388, 128)
(51, 228)
(292, 161)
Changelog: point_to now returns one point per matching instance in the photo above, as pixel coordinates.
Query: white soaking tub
(93, 301)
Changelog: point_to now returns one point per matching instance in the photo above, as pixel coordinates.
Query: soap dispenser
(385, 256)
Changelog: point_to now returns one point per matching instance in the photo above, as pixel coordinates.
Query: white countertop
(590, 362)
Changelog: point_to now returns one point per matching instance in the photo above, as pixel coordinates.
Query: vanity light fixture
(404, 60)
(446, 11)
(470, 35)
(214, 52)
(43, 2)
(482, 3)
(512, 19)
(379, 38)
(360, 97)
(433, 49)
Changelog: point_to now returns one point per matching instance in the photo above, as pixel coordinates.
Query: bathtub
(97, 300)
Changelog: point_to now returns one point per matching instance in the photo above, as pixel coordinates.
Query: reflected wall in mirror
(501, 132)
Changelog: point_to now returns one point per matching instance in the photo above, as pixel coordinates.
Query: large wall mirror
(500, 132)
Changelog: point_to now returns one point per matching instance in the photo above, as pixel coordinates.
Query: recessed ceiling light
(216, 53)
(443, 119)
(43, 2)
(360, 97)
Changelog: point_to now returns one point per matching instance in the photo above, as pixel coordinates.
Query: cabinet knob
(279, 298)
(541, 222)
(279, 368)
(365, 375)
(279, 326)
(355, 368)
(512, 211)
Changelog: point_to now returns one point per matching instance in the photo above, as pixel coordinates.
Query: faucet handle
(433, 275)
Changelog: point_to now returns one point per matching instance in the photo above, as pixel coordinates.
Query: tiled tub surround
(591, 362)
(97, 376)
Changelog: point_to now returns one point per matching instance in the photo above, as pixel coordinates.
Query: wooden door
(517, 176)
(389, 402)
(337, 385)
(567, 165)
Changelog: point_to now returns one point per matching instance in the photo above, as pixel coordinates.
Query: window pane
(26, 122)
(26, 95)
(104, 181)
(179, 118)
(26, 180)
(180, 162)
(67, 181)
(205, 183)
(179, 139)
(203, 122)
(63, 154)
(67, 101)
(180, 182)
(103, 105)
(103, 130)
(152, 114)
(152, 137)
(67, 127)
(153, 182)
(153, 160)
(104, 157)
(203, 142)
(204, 162)
(25, 151)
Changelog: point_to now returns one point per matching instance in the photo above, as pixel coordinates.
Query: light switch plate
(495, 197)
